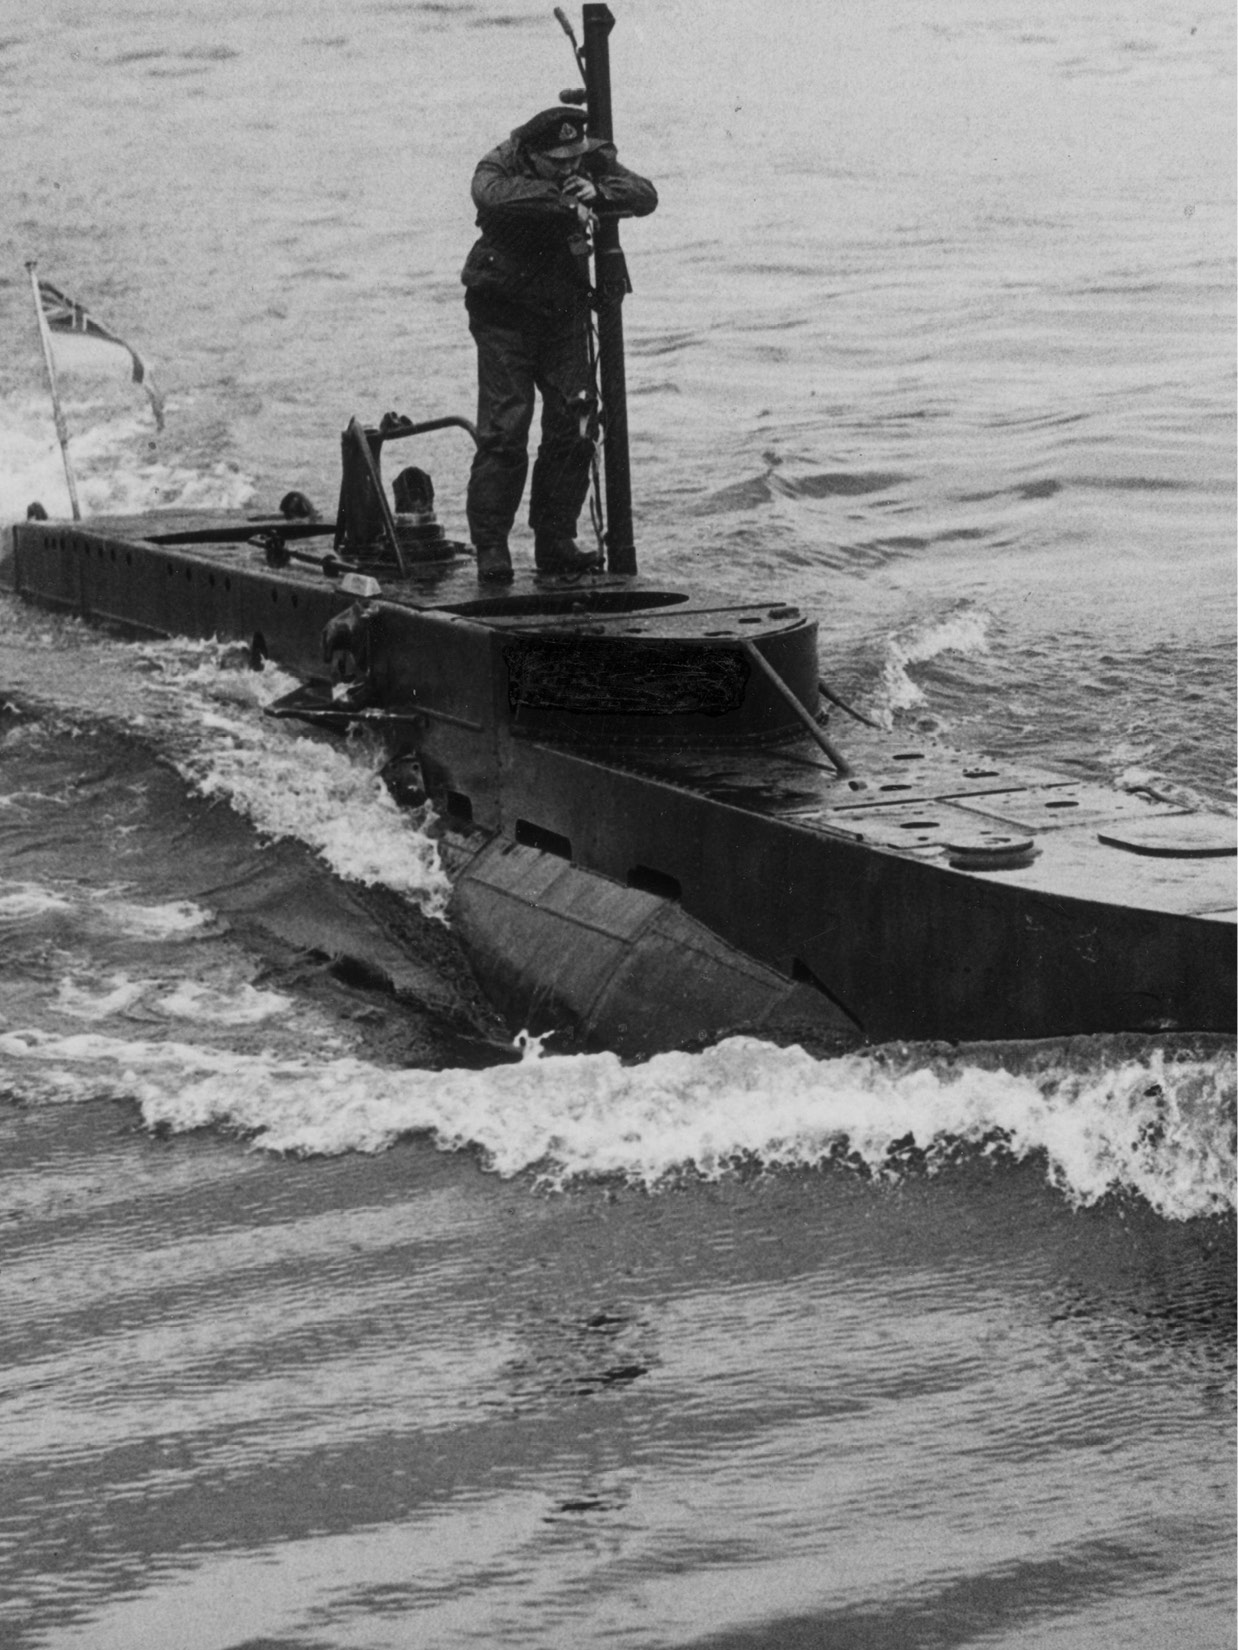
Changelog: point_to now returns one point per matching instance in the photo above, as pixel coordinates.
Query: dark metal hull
(650, 848)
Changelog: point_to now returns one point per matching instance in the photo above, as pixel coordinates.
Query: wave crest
(1106, 1115)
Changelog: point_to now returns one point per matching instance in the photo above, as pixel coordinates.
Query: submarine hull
(653, 845)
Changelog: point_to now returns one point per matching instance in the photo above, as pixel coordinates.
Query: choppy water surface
(330, 1318)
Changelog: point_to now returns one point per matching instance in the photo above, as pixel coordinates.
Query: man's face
(554, 170)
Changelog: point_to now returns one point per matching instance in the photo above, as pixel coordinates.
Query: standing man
(527, 295)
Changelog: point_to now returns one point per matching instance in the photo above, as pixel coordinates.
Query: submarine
(661, 823)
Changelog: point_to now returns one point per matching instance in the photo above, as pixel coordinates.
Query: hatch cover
(1037, 808)
(914, 826)
(1182, 836)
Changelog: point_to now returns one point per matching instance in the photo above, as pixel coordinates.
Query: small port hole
(459, 806)
(537, 836)
(650, 881)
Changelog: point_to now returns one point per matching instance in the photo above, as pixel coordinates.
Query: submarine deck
(914, 798)
(924, 801)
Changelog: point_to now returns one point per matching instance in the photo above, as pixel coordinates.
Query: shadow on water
(1007, 1599)
(754, 491)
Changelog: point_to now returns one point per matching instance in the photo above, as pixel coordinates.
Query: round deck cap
(992, 852)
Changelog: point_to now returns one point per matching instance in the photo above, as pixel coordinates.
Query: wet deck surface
(923, 800)
(451, 583)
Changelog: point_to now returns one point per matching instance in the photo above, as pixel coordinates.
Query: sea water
(333, 1316)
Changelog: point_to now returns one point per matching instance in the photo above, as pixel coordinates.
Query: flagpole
(63, 434)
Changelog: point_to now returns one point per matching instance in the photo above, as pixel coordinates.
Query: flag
(82, 344)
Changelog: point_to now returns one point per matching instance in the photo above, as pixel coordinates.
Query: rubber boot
(494, 564)
(559, 554)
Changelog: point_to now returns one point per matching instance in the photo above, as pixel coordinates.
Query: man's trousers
(520, 351)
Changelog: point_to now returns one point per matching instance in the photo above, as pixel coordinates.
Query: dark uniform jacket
(531, 252)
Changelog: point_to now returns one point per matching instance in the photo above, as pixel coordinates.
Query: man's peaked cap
(559, 131)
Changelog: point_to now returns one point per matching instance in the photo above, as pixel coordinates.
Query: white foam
(234, 1003)
(32, 468)
(175, 920)
(116, 460)
(241, 1005)
(1137, 776)
(22, 901)
(1146, 1125)
(208, 717)
(172, 920)
(17, 800)
(963, 630)
(98, 1001)
(327, 794)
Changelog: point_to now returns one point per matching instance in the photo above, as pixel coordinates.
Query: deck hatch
(1039, 808)
(917, 825)
(1180, 836)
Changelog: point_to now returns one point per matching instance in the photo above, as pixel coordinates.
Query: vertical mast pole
(62, 433)
(611, 274)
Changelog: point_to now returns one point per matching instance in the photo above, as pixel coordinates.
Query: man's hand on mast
(579, 187)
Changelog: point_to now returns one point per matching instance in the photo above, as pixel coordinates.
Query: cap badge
(567, 132)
